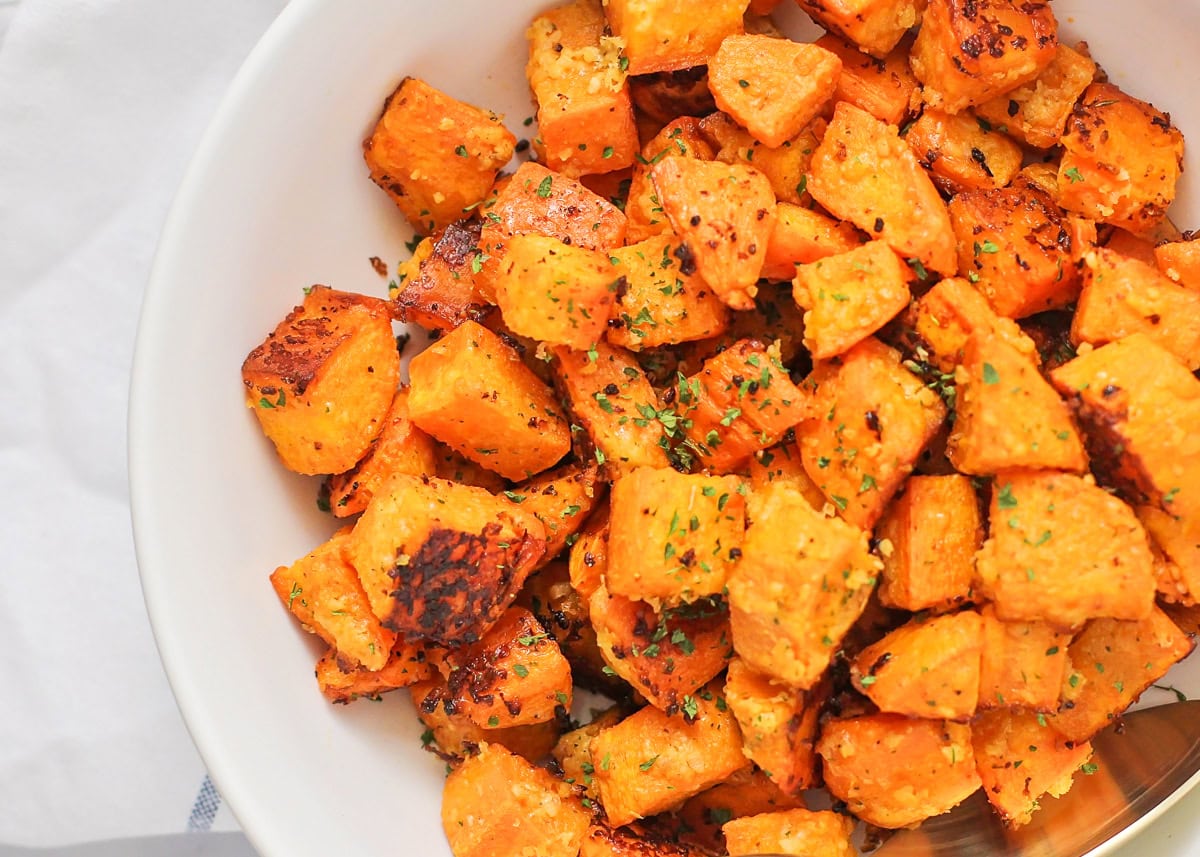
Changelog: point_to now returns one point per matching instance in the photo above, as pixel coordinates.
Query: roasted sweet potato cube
(323, 380)
(616, 405)
(962, 153)
(863, 172)
(1180, 260)
(441, 561)
(682, 137)
(540, 201)
(342, 683)
(454, 737)
(664, 656)
(471, 391)
(740, 401)
(1023, 663)
(924, 668)
(668, 35)
(673, 536)
(724, 214)
(652, 761)
(969, 51)
(869, 420)
(400, 448)
(782, 464)
(875, 26)
(821, 833)
(947, 315)
(1111, 663)
(1014, 246)
(1062, 550)
(802, 581)
(1139, 406)
(1020, 759)
(849, 296)
(748, 792)
(434, 155)
(884, 87)
(1125, 243)
(322, 590)
(785, 166)
(802, 235)
(663, 301)
(1176, 542)
(772, 87)
(585, 115)
(895, 771)
(1036, 112)
(778, 723)
(1122, 296)
(439, 291)
(562, 499)
(1121, 160)
(932, 532)
(496, 804)
(555, 293)
(1009, 416)
(632, 840)
(588, 560)
(573, 752)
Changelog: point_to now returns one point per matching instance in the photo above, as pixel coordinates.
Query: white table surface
(101, 104)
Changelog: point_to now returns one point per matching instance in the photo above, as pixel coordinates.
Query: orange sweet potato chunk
(875, 26)
(1176, 543)
(882, 87)
(821, 833)
(953, 311)
(849, 296)
(1036, 112)
(323, 380)
(1023, 663)
(747, 792)
(802, 235)
(785, 166)
(682, 137)
(342, 683)
(436, 288)
(585, 114)
(895, 771)
(724, 213)
(933, 531)
(961, 153)
(540, 201)
(863, 172)
(454, 737)
(970, 51)
(1121, 161)
(652, 761)
(669, 35)
(496, 804)
(1062, 550)
(773, 87)
(434, 155)
(1180, 260)
(562, 499)
(1009, 416)
(471, 391)
(778, 723)
(1021, 759)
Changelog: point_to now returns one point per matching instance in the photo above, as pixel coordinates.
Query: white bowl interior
(277, 199)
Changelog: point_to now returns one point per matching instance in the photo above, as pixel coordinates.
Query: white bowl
(277, 199)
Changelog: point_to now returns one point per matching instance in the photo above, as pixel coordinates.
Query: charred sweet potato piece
(341, 683)
(682, 137)
(441, 561)
(664, 656)
(785, 166)
(323, 380)
(454, 737)
(772, 87)
(1009, 416)
(821, 833)
(1036, 112)
(724, 213)
(1122, 296)
(869, 420)
(802, 581)
(673, 536)
(1111, 663)
(740, 401)
(962, 153)
(632, 840)
(1023, 663)
(667, 95)
(471, 391)
(778, 723)
(1021, 759)
(895, 771)
(1062, 550)
(434, 155)
(400, 448)
(1121, 160)
(849, 296)
(884, 87)
(1139, 406)
(932, 531)
(496, 804)
(802, 235)
(585, 115)
(875, 26)
(947, 315)
(652, 761)
(439, 291)
(969, 51)
(666, 35)
(865, 173)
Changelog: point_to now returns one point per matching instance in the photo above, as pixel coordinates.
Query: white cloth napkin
(102, 103)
